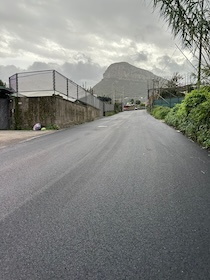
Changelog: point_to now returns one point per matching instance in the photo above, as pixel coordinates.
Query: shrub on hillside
(196, 97)
(160, 112)
(192, 116)
(171, 118)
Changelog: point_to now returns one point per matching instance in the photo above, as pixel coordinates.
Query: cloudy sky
(81, 38)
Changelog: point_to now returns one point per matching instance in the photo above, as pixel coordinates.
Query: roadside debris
(37, 126)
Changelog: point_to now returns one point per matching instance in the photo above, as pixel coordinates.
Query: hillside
(122, 80)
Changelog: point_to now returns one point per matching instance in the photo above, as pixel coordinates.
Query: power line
(185, 56)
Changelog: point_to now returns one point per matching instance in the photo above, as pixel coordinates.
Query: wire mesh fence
(50, 82)
(13, 83)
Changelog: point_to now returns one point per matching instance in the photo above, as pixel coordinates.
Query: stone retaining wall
(49, 111)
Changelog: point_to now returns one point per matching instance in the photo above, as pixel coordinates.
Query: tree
(206, 73)
(105, 99)
(2, 83)
(189, 19)
(175, 81)
(173, 87)
(138, 102)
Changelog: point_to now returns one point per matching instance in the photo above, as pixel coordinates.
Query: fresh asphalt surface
(123, 197)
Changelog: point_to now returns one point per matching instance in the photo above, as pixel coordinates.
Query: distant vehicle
(136, 108)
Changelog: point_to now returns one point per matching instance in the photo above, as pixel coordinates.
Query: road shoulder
(9, 137)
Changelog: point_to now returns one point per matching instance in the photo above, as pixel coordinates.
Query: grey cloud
(80, 72)
(142, 56)
(166, 66)
(80, 37)
(169, 63)
(7, 71)
(76, 72)
(38, 66)
(84, 72)
(74, 19)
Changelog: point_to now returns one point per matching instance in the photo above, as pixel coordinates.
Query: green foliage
(206, 74)
(189, 20)
(192, 116)
(138, 102)
(105, 99)
(171, 118)
(203, 136)
(109, 114)
(2, 83)
(160, 112)
(52, 127)
(117, 107)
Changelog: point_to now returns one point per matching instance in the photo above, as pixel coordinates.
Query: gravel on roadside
(8, 137)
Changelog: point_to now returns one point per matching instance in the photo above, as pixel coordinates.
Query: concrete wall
(49, 111)
(4, 113)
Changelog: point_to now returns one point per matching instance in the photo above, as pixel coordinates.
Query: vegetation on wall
(191, 117)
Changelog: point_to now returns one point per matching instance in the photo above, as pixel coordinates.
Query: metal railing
(50, 82)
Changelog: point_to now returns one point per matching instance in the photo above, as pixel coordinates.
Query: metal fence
(168, 102)
(49, 82)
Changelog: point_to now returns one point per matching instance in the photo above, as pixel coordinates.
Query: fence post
(54, 81)
(9, 82)
(17, 86)
(67, 86)
(77, 92)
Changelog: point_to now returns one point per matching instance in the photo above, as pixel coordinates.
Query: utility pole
(153, 91)
(200, 45)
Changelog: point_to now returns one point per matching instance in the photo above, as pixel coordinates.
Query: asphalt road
(123, 197)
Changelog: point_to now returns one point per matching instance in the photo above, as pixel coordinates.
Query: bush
(196, 97)
(160, 112)
(171, 118)
(52, 127)
(203, 136)
(192, 116)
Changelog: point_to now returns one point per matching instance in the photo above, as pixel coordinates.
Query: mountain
(124, 81)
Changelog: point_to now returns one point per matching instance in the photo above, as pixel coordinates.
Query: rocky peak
(122, 79)
(126, 71)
